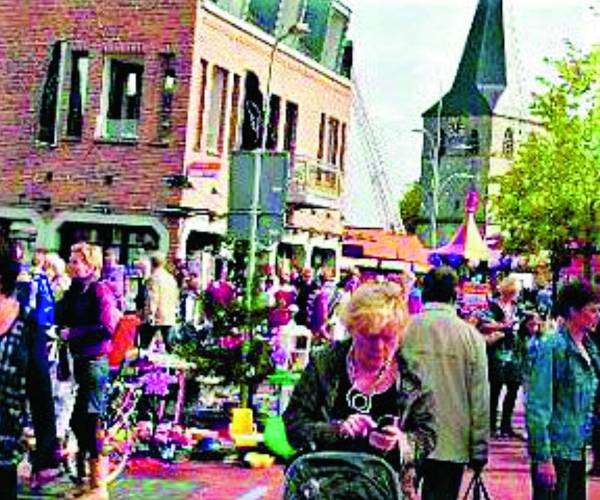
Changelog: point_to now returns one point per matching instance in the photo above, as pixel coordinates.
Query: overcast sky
(406, 55)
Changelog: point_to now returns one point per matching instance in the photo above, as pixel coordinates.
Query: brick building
(120, 119)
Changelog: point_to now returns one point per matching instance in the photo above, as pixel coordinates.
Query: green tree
(410, 207)
(550, 199)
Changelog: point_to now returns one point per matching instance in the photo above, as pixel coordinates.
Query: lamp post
(295, 29)
(436, 186)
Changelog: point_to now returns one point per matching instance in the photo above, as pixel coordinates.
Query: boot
(80, 479)
(98, 488)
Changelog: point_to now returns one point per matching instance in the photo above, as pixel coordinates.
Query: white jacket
(163, 298)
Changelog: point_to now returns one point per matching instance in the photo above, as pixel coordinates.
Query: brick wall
(128, 176)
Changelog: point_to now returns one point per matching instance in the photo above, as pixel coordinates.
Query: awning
(387, 245)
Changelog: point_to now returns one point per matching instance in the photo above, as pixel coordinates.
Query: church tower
(471, 131)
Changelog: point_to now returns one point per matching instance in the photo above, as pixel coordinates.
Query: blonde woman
(56, 271)
(504, 356)
(89, 318)
(361, 394)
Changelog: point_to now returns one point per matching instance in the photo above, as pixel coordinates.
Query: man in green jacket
(452, 355)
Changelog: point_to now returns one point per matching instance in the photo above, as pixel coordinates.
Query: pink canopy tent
(467, 241)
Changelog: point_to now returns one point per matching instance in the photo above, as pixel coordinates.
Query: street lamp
(298, 28)
(436, 186)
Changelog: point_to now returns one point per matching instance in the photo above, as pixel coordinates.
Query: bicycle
(130, 384)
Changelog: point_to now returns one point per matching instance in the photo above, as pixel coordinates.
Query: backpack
(336, 475)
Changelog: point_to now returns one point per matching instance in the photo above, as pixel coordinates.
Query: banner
(474, 296)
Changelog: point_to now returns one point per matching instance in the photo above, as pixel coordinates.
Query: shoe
(511, 434)
(78, 491)
(42, 478)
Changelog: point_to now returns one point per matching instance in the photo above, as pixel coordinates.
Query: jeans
(441, 480)
(570, 481)
(508, 405)
(92, 378)
(148, 332)
(41, 401)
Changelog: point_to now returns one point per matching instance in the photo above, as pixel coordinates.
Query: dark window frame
(77, 100)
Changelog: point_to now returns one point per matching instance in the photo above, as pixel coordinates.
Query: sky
(405, 57)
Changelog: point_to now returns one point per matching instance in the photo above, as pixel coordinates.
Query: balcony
(315, 184)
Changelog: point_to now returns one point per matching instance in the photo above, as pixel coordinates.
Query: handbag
(63, 368)
(477, 487)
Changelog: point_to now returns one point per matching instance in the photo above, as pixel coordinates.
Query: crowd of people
(401, 370)
(456, 368)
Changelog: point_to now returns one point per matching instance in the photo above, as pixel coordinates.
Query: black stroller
(336, 475)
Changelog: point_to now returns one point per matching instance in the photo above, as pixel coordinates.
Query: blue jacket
(560, 399)
(35, 296)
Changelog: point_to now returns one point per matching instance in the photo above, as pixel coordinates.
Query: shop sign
(204, 168)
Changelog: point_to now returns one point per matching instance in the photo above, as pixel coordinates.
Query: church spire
(483, 61)
(481, 75)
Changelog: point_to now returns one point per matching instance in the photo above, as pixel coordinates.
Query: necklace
(357, 399)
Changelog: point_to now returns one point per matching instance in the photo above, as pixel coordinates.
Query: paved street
(506, 477)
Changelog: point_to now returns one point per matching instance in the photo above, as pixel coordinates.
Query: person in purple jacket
(89, 318)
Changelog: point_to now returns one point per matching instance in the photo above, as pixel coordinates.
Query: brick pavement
(506, 477)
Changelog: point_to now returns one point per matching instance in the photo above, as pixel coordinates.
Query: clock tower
(472, 129)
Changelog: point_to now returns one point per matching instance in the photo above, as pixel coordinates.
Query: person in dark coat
(349, 387)
(14, 326)
(89, 318)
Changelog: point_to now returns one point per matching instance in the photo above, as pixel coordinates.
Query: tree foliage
(551, 196)
(410, 207)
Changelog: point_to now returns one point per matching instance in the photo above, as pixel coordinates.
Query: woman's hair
(92, 255)
(8, 276)
(576, 296)
(54, 261)
(374, 306)
(508, 284)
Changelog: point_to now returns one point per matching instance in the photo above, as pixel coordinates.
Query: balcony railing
(315, 184)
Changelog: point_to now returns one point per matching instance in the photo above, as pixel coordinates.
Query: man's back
(452, 355)
(163, 295)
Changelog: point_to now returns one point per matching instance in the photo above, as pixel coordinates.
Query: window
(234, 116)
(216, 111)
(167, 91)
(202, 104)
(273, 131)
(253, 112)
(321, 137)
(473, 145)
(123, 78)
(78, 93)
(291, 125)
(50, 109)
(508, 143)
(263, 14)
(333, 141)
